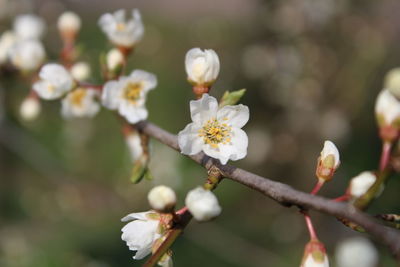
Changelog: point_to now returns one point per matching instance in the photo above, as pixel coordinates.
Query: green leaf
(231, 98)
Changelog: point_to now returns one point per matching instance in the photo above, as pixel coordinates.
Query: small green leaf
(231, 98)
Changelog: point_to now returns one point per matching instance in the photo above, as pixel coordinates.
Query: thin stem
(317, 187)
(385, 156)
(310, 226)
(345, 197)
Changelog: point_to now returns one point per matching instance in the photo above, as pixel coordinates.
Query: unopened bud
(392, 82)
(315, 255)
(202, 67)
(69, 24)
(162, 198)
(328, 161)
(356, 252)
(387, 110)
(360, 184)
(202, 204)
(114, 60)
(80, 71)
(30, 108)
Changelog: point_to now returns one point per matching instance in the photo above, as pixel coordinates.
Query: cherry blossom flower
(216, 131)
(128, 94)
(29, 26)
(27, 55)
(80, 103)
(141, 233)
(54, 82)
(120, 30)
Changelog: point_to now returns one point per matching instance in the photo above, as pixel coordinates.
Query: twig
(285, 194)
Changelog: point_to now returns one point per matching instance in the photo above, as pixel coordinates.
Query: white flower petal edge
(54, 82)
(128, 95)
(140, 234)
(215, 131)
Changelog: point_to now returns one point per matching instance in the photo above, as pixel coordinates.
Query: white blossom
(80, 71)
(54, 82)
(310, 261)
(162, 198)
(141, 233)
(128, 94)
(114, 59)
(360, 184)
(387, 107)
(27, 55)
(215, 131)
(120, 30)
(69, 22)
(80, 103)
(7, 41)
(29, 26)
(30, 108)
(134, 143)
(202, 204)
(202, 67)
(330, 149)
(356, 252)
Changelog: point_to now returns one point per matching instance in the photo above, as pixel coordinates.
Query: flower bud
(30, 108)
(114, 60)
(202, 67)
(80, 71)
(315, 255)
(202, 204)
(328, 161)
(387, 111)
(356, 252)
(392, 82)
(360, 184)
(162, 198)
(69, 23)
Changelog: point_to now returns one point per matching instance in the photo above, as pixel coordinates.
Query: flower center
(132, 92)
(77, 97)
(121, 26)
(215, 133)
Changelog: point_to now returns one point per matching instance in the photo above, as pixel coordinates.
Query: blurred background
(312, 69)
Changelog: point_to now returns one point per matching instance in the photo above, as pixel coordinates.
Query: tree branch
(284, 194)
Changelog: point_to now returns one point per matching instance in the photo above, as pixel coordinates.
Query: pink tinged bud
(315, 255)
(328, 161)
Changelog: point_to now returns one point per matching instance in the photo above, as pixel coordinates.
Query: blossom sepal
(315, 255)
(231, 98)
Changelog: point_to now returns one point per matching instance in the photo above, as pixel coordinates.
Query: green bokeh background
(312, 69)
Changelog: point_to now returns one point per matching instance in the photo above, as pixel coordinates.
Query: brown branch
(284, 194)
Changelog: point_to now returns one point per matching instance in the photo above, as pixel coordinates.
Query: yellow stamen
(214, 133)
(132, 92)
(77, 97)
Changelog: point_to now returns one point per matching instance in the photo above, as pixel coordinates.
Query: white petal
(148, 79)
(202, 204)
(189, 141)
(110, 97)
(203, 109)
(131, 112)
(235, 116)
(387, 106)
(330, 149)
